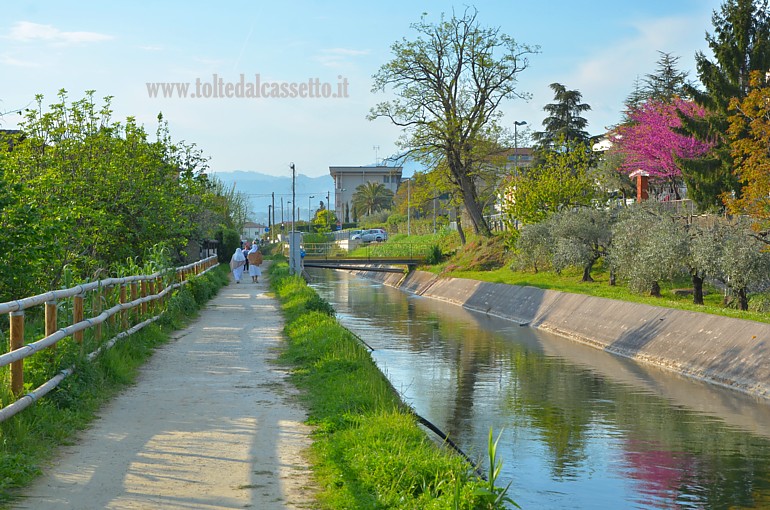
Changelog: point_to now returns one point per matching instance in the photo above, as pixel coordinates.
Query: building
(253, 231)
(348, 178)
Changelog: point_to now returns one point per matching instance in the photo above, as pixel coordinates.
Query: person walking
(255, 260)
(237, 261)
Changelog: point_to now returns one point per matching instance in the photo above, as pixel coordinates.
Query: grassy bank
(368, 451)
(31, 438)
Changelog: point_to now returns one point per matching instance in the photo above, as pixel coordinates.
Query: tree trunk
(470, 199)
(587, 273)
(697, 290)
(613, 278)
(459, 222)
(655, 289)
(743, 299)
(587, 269)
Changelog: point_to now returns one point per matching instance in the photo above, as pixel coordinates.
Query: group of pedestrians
(247, 258)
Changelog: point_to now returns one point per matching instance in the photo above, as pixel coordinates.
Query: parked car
(355, 234)
(374, 234)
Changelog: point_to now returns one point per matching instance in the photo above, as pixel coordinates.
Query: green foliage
(229, 240)
(649, 245)
(565, 121)
(740, 44)
(81, 190)
(581, 237)
(561, 182)
(371, 197)
(534, 247)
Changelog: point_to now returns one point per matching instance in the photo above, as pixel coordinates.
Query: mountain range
(259, 187)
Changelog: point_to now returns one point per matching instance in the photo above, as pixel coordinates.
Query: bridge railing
(131, 303)
(410, 251)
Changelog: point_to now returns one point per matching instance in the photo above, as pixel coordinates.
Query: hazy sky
(116, 48)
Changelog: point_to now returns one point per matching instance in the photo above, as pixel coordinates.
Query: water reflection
(582, 429)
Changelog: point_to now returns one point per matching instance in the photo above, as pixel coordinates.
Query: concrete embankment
(721, 350)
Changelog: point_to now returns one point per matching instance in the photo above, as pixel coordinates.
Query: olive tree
(581, 237)
(732, 254)
(649, 245)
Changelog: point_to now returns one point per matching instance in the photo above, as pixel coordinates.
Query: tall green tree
(371, 197)
(565, 119)
(740, 44)
(562, 181)
(667, 83)
(449, 83)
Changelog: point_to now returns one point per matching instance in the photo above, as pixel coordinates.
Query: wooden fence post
(77, 316)
(134, 296)
(17, 342)
(51, 319)
(151, 291)
(123, 313)
(143, 294)
(96, 307)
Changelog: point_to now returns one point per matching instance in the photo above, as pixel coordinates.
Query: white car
(374, 234)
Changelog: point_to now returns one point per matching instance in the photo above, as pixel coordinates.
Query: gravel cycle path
(212, 423)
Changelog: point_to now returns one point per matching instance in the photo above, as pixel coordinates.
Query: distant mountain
(259, 187)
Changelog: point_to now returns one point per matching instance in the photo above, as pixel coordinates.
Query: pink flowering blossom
(650, 144)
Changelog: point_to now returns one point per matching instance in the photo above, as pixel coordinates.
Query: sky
(117, 48)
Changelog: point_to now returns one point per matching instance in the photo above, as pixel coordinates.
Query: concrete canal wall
(721, 350)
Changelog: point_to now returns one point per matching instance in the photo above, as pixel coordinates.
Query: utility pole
(273, 201)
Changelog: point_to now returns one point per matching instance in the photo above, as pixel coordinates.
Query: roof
(364, 169)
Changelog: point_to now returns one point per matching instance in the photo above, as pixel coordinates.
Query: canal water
(581, 429)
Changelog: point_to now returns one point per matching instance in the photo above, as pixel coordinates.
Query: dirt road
(210, 424)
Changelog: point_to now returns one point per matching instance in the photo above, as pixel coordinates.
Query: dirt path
(210, 424)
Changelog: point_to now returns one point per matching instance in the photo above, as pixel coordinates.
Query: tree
(648, 245)
(740, 44)
(449, 83)
(99, 192)
(371, 197)
(750, 133)
(667, 83)
(564, 121)
(732, 254)
(649, 143)
(581, 237)
(562, 181)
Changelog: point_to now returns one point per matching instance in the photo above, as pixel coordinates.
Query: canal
(581, 429)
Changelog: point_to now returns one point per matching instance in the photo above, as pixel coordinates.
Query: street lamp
(328, 209)
(308, 212)
(408, 208)
(516, 124)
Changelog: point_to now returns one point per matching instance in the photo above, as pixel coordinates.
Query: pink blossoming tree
(649, 143)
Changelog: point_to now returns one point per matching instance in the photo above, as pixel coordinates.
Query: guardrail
(372, 250)
(147, 294)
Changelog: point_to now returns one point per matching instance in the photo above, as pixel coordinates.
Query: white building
(253, 231)
(348, 178)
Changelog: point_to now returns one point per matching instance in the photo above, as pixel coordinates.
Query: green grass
(31, 438)
(368, 451)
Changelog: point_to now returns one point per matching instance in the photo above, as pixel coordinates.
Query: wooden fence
(139, 300)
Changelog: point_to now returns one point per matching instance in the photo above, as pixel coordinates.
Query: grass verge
(368, 451)
(31, 438)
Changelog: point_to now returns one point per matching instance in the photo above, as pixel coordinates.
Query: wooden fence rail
(148, 295)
